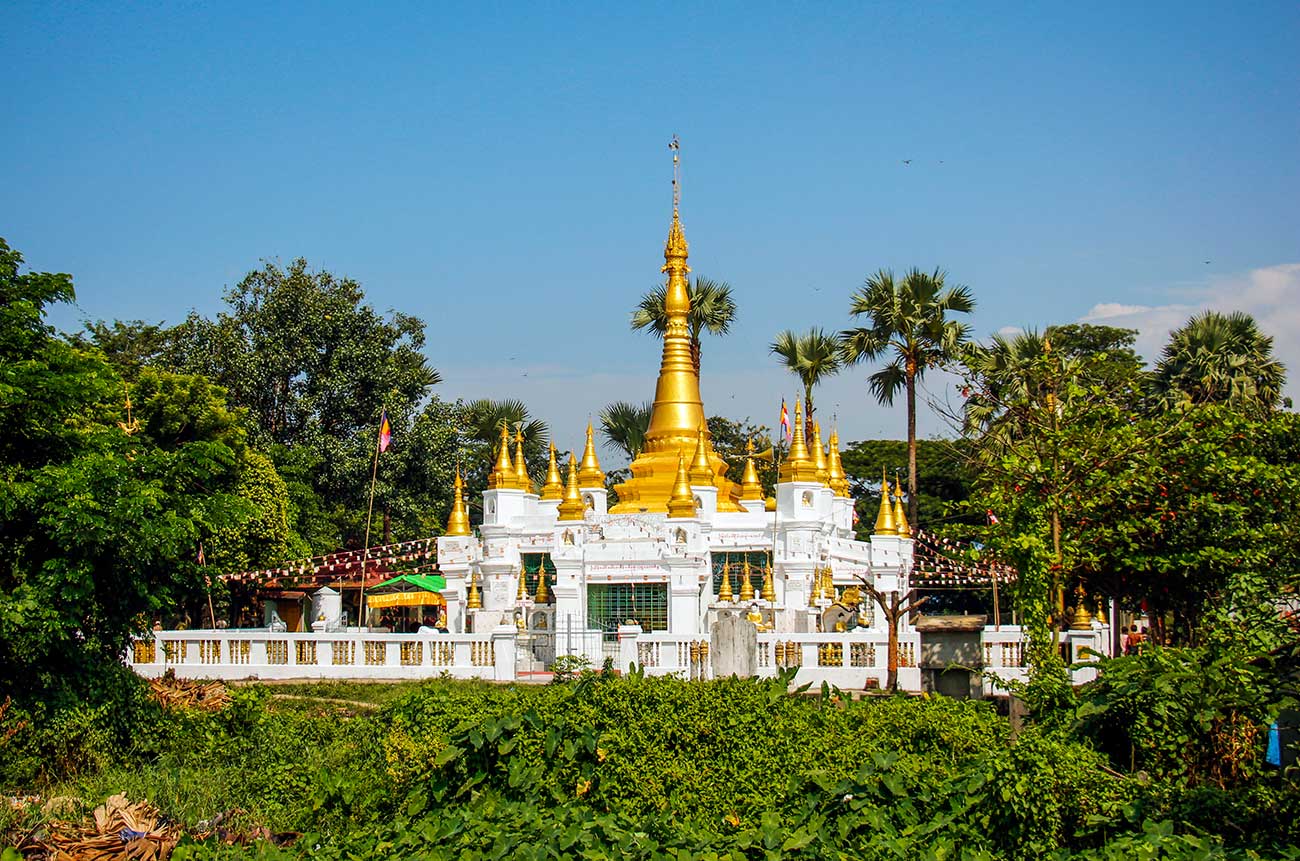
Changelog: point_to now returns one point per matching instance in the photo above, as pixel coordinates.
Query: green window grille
(758, 562)
(533, 562)
(611, 604)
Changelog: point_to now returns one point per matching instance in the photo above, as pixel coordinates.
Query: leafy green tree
(129, 345)
(945, 474)
(909, 319)
(812, 357)
(713, 310)
(1219, 358)
(623, 426)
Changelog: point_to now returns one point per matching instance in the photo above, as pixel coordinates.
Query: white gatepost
(627, 650)
(504, 641)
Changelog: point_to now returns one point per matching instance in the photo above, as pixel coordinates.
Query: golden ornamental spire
(835, 477)
(746, 584)
(701, 472)
(769, 587)
(571, 507)
(798, 464)
(678, 411)
(503, 474)
(554, 486)
(589, 474)
(458, 520)
(682, 502)
(473, 601)
(900, 515)
(815, 587)
(819, 454)
(521, 466)
(725, 595)
(885, 524)
(522, 594)
(828, 583)
(750, 486)
(543, 596)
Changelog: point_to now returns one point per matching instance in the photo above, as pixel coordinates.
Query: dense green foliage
(944, 478)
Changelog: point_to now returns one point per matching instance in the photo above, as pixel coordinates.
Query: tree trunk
(808, 418)
(695, 354)
(911, 445)
(388, 526)
(891, 663)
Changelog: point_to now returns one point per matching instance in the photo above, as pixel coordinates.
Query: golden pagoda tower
(682, 502)
(554, 486)
(819, 455)
(678, 411)
(815, 587)
(835, 477)
(1082, 619)
(798, 464)
(543, 596)
(885, 524)
(522, 595)
(473, 601)
(589, 474)
(769, 587)
(750, 485)
(701, 472)
(521, 466)
(900, 514)
(571, 507)
(458, 520)
(746, 584)
(502, 476)
(725, 595)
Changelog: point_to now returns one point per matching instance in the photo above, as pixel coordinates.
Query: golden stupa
(677, 417)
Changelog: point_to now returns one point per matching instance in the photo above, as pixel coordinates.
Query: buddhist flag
(785, 421)
(385, 432)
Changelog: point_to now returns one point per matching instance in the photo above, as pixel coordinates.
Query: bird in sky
(907, 161)
(1208, 262)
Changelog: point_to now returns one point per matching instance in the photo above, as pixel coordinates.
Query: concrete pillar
(504, 641)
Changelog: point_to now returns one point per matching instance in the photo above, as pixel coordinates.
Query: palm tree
(811, 357)
(712, 310)
(1220, 358)
(624, 425)
(486, 417)
(909, 318)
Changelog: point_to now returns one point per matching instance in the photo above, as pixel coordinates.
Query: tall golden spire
(678, 411)
(819, 454)
(521, 466)
(503, 474)
(725, 595)
(458, 520)
(473, 601)
(900, 515)
(750, 486)
(835, 477)
(701, 472)
(571, 507)
(885, 518)
(542, 596)
(522, 594)
(769, 588)
(554, 486)
(682, 502)
(589, 474)
(798, 464)
(746, 584)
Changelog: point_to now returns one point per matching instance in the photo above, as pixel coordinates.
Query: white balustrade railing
(242, 654)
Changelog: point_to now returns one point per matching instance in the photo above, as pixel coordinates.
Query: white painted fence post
(504, 641)
(627, 651)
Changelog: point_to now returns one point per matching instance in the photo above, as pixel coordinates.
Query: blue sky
(501, 171)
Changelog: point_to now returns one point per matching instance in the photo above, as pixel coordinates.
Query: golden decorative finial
(885, 524)
(543, 596)
(701, 472)
(682, 502)
(503, 474)
(750, 485)
(522, 595)
(819, 454)
(900, 515)
(746, 584)
(828, 583)
(1082, 619)
(589, 474)
(458, 520)
(554, 486)
(521, 466)
(814, 587)
(798, 465)
(474, 601)
(835, 476)
(769, 587)
(675, 146)
(725, 595)
(571, 507)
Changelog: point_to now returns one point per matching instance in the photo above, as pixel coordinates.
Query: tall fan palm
(1220, 358)
(1012, 381)
(811, 357)
(486, 417)
(908, 318)
(624, 425)
(712, 310)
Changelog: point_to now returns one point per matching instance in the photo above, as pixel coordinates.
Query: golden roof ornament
(769, 587)
(835, 477)
(750, 485)
(798, 465)
(522, 595)
(725, 595)
(458, 520)
(554, 486)
(900, 514)
(885, 524)
(543, 596)
(701, 472)
(814, 587)
(521, 466)
(474, 601)
(677, 411)
(682, 502)
(1082, 619)
(819, 454)
(503, 474)
(571, 507)
(746, 584)
(589, 474)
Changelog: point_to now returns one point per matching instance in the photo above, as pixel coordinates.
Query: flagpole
(370, 510)
(212, 614)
